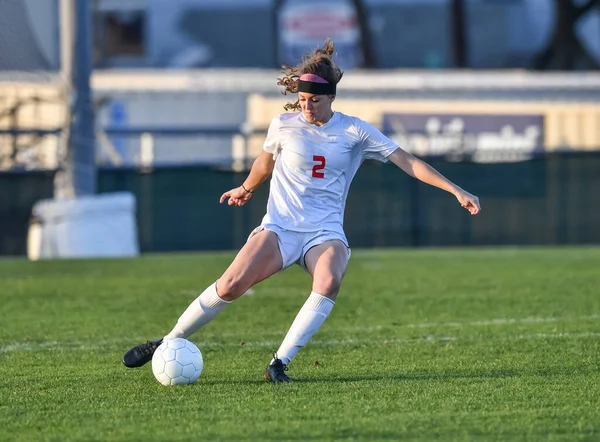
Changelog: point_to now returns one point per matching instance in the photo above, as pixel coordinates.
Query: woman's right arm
(260, 171)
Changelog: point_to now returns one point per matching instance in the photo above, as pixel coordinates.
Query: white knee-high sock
(200, 312)
(308, 320)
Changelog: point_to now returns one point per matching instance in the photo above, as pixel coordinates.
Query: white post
(146, 151)
(239, 147)
(238, 152)
(62, 187)
(67, 35)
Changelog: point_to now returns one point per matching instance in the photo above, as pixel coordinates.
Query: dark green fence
(18, 192)
(554, 199)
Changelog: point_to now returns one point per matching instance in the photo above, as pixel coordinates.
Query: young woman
(311, 157)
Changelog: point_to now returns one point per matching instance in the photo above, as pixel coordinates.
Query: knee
(328, 286)
(230, 288)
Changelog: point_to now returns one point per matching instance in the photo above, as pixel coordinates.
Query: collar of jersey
(319, 127)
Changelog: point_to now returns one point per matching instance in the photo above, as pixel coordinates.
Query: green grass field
(480, 344)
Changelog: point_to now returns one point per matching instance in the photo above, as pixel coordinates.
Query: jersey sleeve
(272, 143)
(374, 144)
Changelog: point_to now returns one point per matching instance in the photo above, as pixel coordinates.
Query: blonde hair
(317, 62)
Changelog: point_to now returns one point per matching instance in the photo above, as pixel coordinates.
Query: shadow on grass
(417, 377)
(388, 377)
(403, 377)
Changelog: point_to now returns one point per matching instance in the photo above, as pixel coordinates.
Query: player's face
(315, 108)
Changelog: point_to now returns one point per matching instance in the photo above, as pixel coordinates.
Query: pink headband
(313, 84)
(313, 78)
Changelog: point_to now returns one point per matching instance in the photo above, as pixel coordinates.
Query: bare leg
(256, 261)
(327, 264)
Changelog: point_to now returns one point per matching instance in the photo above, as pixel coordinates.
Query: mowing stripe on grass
(503, 321)
(58, 345)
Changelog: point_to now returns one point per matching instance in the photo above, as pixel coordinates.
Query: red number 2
(317, 167)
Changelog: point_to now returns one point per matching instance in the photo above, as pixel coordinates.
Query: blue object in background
(118, 118)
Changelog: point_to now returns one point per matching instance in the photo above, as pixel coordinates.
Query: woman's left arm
(424, 172)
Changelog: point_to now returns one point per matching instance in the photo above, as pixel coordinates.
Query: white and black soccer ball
(177, 361)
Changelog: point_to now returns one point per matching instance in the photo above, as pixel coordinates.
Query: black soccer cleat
(275, 372)
(141, 354)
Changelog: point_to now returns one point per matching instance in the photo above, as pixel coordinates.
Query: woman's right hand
(237, 197)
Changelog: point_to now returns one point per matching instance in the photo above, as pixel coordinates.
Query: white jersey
(314, 166)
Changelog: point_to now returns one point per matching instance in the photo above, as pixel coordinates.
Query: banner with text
(479, 137)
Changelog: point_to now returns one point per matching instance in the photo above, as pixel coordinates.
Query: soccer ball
(177, 361)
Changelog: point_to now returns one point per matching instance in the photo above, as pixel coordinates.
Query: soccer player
(311, 157)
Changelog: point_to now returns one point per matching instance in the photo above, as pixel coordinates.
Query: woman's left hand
(469, 202)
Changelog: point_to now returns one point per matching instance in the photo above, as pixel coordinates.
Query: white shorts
(294, 245)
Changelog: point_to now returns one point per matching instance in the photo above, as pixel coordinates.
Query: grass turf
(479, 344)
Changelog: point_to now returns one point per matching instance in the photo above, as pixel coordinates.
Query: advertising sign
(481, 137)
(304, 25)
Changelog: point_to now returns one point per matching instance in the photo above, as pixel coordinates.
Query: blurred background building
(385, 34)
(192, 84)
